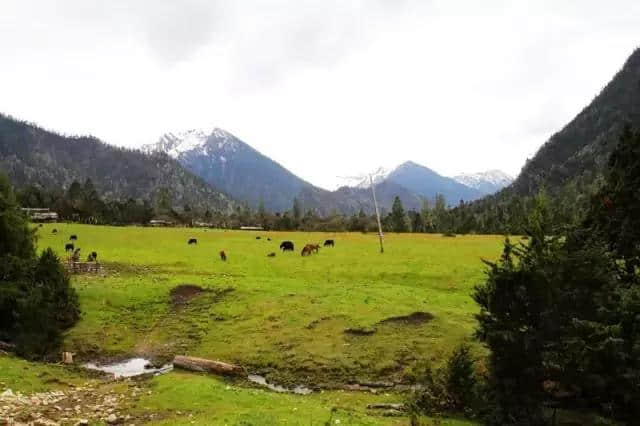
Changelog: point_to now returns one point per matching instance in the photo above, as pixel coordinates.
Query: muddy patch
(360, 331)
(415, 318)
(182, 294)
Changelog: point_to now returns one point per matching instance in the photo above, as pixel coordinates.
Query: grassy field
(287, 317)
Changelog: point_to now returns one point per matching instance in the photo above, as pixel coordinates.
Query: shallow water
(300, 390)
(129, 368)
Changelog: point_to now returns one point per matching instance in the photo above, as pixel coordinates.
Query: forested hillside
(580, 150)
(569, 166)
(32, 156)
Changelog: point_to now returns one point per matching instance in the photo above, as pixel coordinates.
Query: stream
(129, 368)
(137, 366)
(261, 380)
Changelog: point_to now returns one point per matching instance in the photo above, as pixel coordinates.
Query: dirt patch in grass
(182, 294)
(360, 331)
(415, 318)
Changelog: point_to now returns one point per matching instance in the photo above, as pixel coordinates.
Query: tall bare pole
(375, 203)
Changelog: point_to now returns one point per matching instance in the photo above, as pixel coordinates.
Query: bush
(461, 380)
(453, 388)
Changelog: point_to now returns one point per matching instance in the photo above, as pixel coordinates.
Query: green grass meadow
(284, 317)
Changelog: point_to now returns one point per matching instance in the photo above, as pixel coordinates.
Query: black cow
(272, 254)
(74, 237)
(258, 237)
(68, 247)
(328, 243)
(54, 231)
(286, 246)
(268, 239)
(192, 241)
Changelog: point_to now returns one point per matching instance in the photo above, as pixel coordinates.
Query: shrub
(461, 379)
(453, 387)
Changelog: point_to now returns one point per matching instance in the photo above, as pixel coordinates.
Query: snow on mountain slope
(487, 182)
(195, 141)
(361, 181)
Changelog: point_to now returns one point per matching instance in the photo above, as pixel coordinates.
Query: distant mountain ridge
(426, 183)
(30, 155)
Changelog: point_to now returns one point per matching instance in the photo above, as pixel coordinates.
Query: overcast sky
(327, 88)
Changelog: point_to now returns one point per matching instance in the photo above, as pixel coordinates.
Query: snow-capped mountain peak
(488, 182)
(201, 141)
(362, 181)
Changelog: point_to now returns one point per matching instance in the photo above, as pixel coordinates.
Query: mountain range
(207, 169)
(228, 163)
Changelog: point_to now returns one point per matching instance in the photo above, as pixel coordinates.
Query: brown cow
(309, 248)
(223, 255)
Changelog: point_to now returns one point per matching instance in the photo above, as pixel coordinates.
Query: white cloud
(325, 87)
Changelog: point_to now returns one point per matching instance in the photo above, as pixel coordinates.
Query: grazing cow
(40, 226)
(286, 246)
(329, 243)
(192, 241)
(68, 247)
(223, 255)
(307, 250)
(272, 254)
(54, 231)
(258, 237)
(268, 239)
(74, 237)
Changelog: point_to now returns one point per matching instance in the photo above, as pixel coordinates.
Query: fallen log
(206, 365)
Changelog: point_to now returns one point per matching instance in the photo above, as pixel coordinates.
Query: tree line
(504, 214)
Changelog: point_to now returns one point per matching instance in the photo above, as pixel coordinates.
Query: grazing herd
(75, 252)
(284, 246)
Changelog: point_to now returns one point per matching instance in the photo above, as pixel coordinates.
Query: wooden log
(206, 365)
